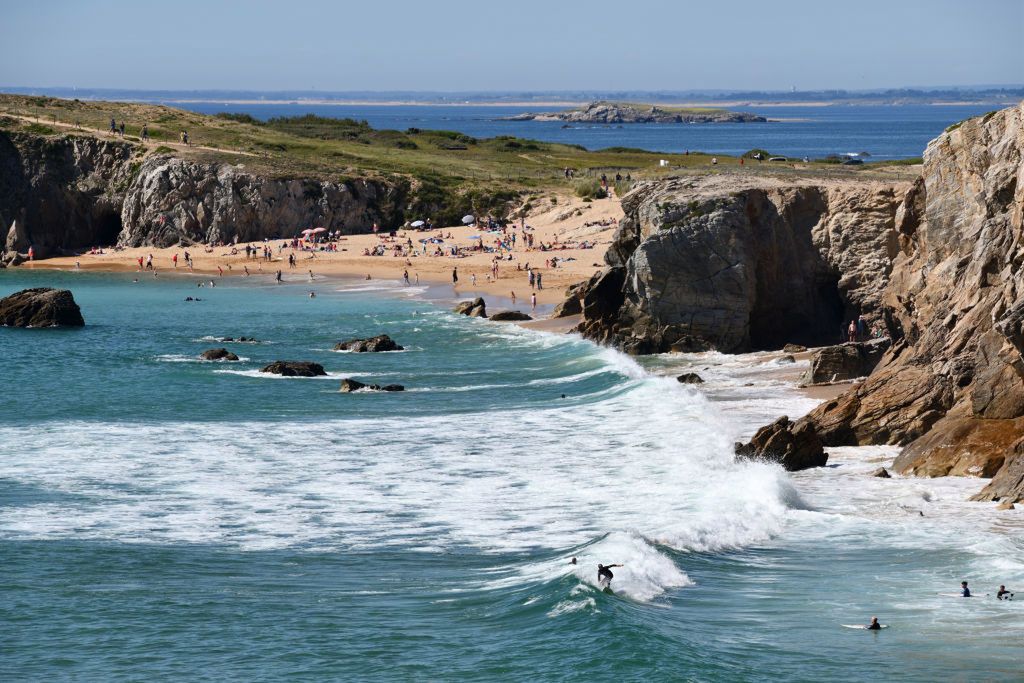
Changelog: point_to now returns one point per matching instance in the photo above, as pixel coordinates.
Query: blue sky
(512, 45)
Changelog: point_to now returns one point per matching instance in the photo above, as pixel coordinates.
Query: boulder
(40, 307)
(1007, 505)
(350, 385)
(785, 359)
(845, 361)
(510, 316)
(881, 473)
(218, 354)
(795, 446)
(690, 378)
(474, 309)
(793, 348)
(381, 342)
(295, 368)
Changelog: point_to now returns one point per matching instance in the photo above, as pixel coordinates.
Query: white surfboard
(955, 595)
(862, 626)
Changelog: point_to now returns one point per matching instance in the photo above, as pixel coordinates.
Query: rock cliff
(952, 387)
(61, 193)
(710, 263)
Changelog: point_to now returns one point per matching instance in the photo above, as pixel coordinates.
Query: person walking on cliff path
(145, 132)
(122, 128)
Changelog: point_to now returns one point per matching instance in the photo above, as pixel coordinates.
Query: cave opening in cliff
(811, 316)
(107, 227)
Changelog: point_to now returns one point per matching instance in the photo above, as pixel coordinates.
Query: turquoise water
(165, 518)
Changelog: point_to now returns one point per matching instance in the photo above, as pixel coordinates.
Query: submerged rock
(295, 368)
(881, 473)
(40, 307)
(510, 316)
(690, 378)
(218, 354)
(381, 342)
(349, 385)
(796, 446)
(476, 308)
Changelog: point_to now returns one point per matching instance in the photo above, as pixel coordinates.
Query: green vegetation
(590, 188)
(445, 173)
(754, 153)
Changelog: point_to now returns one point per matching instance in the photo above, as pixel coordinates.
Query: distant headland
(627, 112)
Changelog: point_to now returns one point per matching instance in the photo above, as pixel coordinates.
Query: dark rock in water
(350, 385)
(690, 378)
(510, 316)
(881, 473)
(295, 368)
(845, 361)
(218, 354)
(794, 348)
(381, 342)
(785, 359)
(796, 446)
(474, 309)
(40, 307)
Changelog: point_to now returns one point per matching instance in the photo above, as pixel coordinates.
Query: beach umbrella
(318, 230)
(467, 219)
(417, 224)
(307, 231)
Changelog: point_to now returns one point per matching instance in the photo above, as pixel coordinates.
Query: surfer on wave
(604, 573)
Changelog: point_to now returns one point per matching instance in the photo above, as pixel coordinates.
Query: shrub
(589, 188)
(753, 154)
(240, 118)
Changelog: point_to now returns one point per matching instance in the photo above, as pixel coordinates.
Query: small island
(624, 112)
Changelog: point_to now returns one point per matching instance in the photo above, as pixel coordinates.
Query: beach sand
(566, 219)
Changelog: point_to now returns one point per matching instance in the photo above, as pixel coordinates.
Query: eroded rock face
(476, 308)
(381, 342)
(795, 446)
(40, 307)
(696, 264)
(845, 361)
(180, 201)
(952, 386)
(295, 368)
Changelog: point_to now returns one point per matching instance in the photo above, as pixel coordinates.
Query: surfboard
(955, 595)
(862, 626)
(605, 586)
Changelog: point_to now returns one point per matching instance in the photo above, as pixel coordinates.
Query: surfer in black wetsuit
(874, 625)
(964, 590)
(1004, 594)
(604, 572)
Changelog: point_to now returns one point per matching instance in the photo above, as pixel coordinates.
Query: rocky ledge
(295, 368)
(40, 307)
(611, 112)
(381, 342)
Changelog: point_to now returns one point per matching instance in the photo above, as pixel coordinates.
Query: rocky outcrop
(951, 389)
(40, 307)
(613, 112)
(795, 446)
(350, 385)
(381, 342)
(699, 264)
(176, 201)
(476, 308)
(690, 378)
(60, 194)
(218, 354)
(295, 368)
(510, 316)
(844, 362)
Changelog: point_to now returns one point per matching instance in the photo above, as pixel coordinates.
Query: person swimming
(964, 590)
(1003, 594)
(604, 572)
(874, 625)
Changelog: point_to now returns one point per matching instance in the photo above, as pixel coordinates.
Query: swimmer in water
(874, 625)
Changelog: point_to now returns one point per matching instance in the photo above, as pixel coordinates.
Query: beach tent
(417, 224)
(467, 219)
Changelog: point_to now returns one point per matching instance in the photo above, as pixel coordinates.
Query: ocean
(884, 132)
(163, 518)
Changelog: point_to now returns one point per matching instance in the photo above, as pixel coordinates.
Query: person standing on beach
(533, 301)
(405, 276)
(455, 276)
(513, 297)
(540, 284)
(278, 276)
(174, 260)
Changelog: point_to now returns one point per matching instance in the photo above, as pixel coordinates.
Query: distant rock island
(617, 112)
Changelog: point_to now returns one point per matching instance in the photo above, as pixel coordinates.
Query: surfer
(604, 573)
(874, 625)
(1003, 592)
(964, 590)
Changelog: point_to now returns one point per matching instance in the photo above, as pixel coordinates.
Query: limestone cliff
(706, 263)
(952, 386)
(61, 193)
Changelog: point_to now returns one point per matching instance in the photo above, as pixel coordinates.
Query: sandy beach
(561, 221)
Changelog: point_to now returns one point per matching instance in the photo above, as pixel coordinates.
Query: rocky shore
(611, 112)
(935, 265)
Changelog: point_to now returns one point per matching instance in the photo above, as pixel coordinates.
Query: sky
(532, 45)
